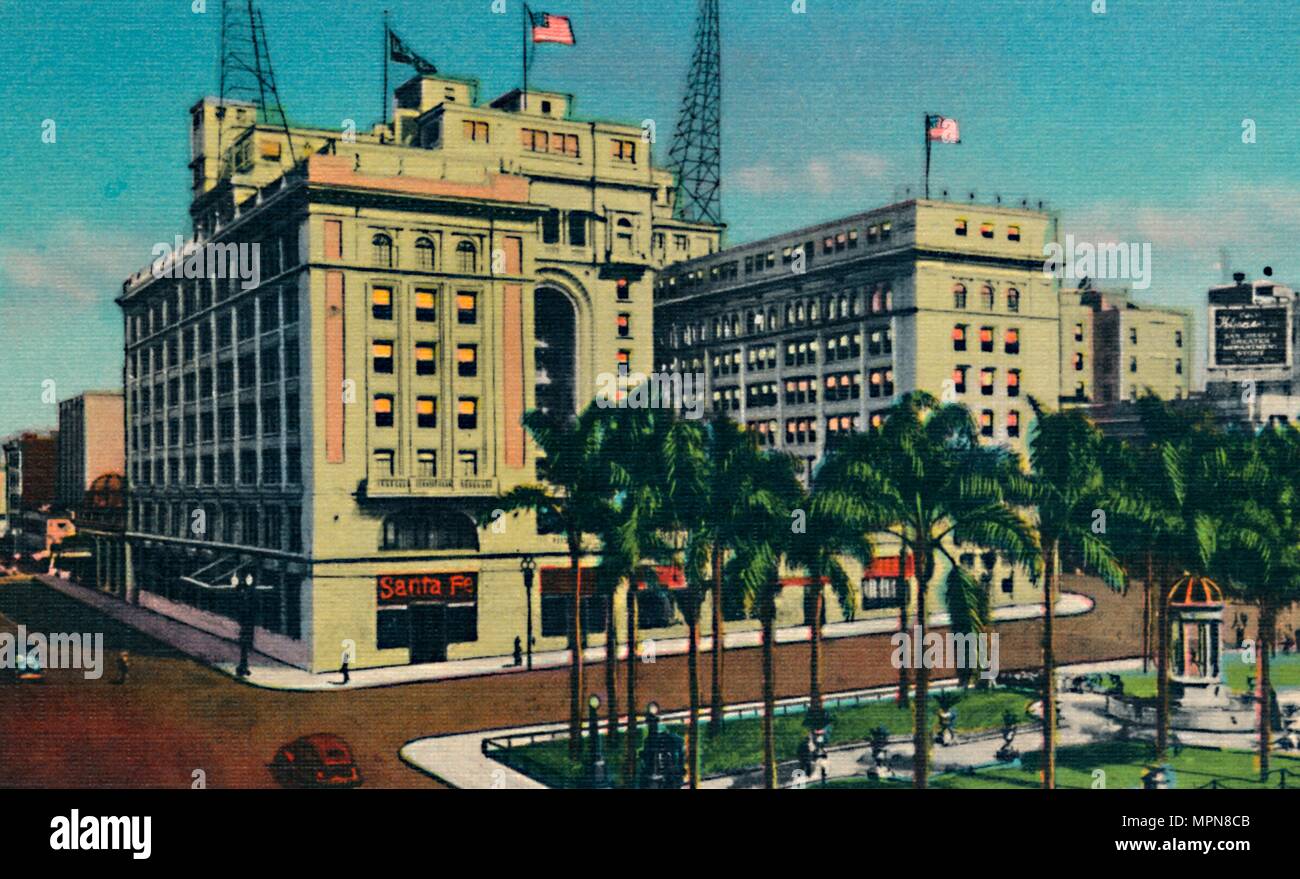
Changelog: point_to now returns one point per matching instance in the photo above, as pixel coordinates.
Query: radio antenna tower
(696, 154)
(246, 72)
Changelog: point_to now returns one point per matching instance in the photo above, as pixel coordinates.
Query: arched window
(1013, 299)
(467, 256)
(877, 300)
(958, 295)
(444, 530)
(383, 250)
(424, 253)
(624, 234)
(986, 297)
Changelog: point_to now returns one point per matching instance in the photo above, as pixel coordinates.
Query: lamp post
(596, 776)
(527, 565)
(242, 592)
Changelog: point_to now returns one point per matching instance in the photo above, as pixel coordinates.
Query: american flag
(549, 28)
(943, 129)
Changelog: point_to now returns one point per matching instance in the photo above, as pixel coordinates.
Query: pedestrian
(519, 651)
(343, 669)
(123, 667)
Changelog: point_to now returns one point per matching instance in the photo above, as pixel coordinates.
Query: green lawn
(740, 745)
(1284, 672)
(1123, 764)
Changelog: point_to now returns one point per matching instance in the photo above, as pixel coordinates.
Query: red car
(317, 760)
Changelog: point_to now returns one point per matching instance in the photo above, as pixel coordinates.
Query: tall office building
(1114, 349)
(328, 421)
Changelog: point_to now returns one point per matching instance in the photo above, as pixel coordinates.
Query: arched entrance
(555, 352)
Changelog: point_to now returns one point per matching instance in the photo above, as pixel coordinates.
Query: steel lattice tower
(696, 154)
(246, 72)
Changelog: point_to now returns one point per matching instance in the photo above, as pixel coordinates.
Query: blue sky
(1128, 123)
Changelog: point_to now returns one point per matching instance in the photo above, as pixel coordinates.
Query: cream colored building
(330, 429)
(807, 335)
(1115, 349)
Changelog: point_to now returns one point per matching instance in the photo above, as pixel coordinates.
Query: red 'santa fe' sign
(406, 588)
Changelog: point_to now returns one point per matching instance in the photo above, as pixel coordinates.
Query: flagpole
(528, 18)
(387, 52)
(925, 124)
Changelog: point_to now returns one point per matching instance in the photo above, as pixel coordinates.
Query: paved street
(175, 715)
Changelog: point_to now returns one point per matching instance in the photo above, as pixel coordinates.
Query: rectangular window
(986, 339)
(382, 463)
(467, 463)
(426, 412)
(988, 376)
(382, 356)
(577, 229)
(467, 413)
(426, 462)
(467, 360)
(1013, 383)
(383, 410)
(466, 308)
(476, 131)
(381, 303)
(426, 306)
(959, 227)
(1013, 341)
(1013, 423)
(624, 150)
(986, 422)
(551, 227)
(624, 325)
(426, 362)
(534, 141)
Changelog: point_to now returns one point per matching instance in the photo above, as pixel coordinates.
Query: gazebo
(1195, 649)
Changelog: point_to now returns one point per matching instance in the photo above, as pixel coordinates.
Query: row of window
(798, 313)
(1010, 339)
(253, 318)
(988, 380)
(201, 427)
(268, 526)
(219, 468)
(426, 412)
(384, 463)
(987, 230)
(383, 254)
(987, 298)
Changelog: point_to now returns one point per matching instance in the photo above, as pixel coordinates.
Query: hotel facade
(329, 423)
(805, 336)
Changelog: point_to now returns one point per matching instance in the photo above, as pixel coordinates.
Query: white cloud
(85, 265)
(820, 175)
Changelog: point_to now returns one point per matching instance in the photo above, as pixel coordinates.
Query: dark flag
(401, 53)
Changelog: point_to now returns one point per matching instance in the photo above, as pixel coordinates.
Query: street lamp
(527, 565)
(596, 775)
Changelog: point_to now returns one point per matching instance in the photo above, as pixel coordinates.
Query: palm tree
(756, 565)
(816, 550)
(1065, 485)
(575, 494)
(1257, 534)
(924, 480)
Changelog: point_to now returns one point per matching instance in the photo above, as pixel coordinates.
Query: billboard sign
(1253, 336)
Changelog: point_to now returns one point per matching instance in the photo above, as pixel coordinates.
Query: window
(1178, 366)
(467, 256)
(624, 325)
(1013, 383)
(986, 297)
(986, 339)
(535, 141)
(1011, 341)
(565, 145)
(1013, 233)
(624, 150)
(424, 253)
(382, 250)
(986, 422)
(476, 131)
(426, 412)
(381, 303)
(467, 413)
(1178, 338)
(426, 462)
(959, 227)
(1013, 423)
(383, 410)
(1132, 335)
(382, 356)
(422, 531)
(577, 229)
(1013, 299)
(426, 306)
(1078, 332)
(467, 360)
(988, 375)
(959, 337)
(382, 462)
(959, 296)
(426, 362)
(959, 379)
(623, 290)
(551, 227)
(467, 463)
(986, 230)
(1078, 362)
(467, 308)
(623, 360)
(1132, 364)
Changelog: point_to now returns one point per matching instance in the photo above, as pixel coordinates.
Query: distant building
(1113, 348)
(91, 444)
(29, 461)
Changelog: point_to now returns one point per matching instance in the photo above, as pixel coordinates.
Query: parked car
(320, 760)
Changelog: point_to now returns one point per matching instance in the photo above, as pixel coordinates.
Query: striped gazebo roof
(1193, 591)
